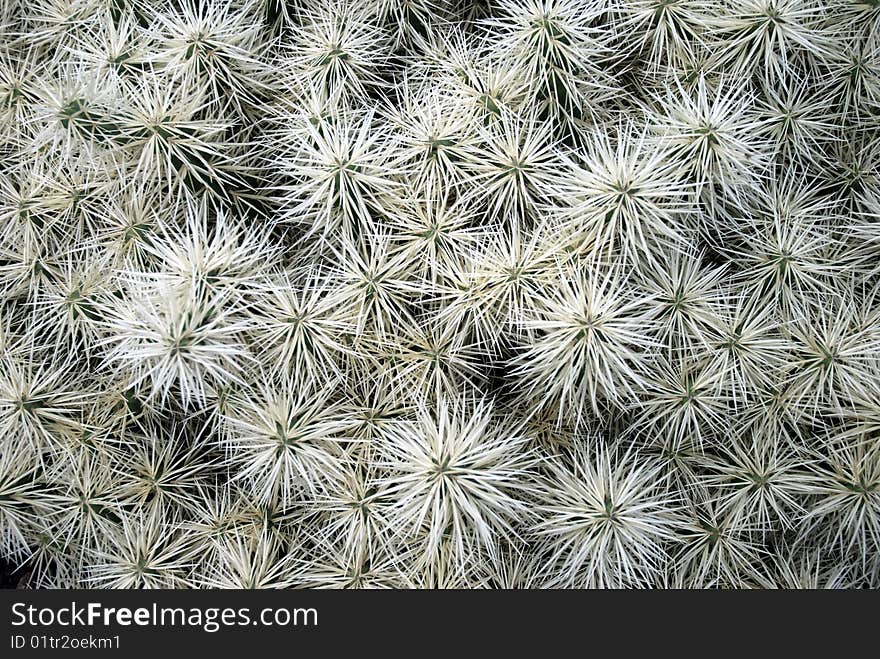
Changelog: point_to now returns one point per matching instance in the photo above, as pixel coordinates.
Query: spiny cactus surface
(440, 293)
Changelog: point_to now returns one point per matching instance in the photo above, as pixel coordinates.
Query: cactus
(512, 294)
